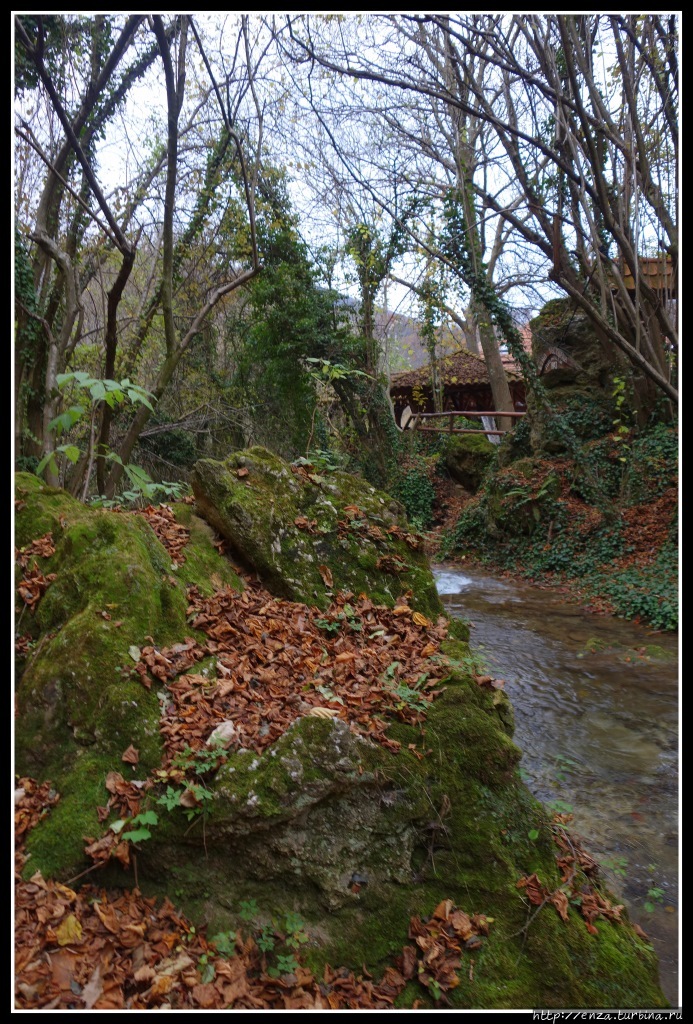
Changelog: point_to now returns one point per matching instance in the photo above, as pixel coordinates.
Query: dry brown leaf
(144, 974)
(560, 902)
(323, 713)
(161, 986)
(326, 575)
(205, 995)
(93, 988)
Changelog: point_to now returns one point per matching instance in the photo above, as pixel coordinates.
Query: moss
(56, 847)
(78, 696)
(458, 629)
(468, 458)
(203, 565)
(258, 511)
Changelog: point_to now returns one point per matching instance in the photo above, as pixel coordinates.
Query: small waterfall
(490, 424)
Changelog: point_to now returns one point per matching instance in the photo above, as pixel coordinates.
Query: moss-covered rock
(467, 458)
(564, 331)
(324, 822)
(356, 840)
(79, 704)
(286, 525)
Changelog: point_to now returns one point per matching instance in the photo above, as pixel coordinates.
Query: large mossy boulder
(580, 386)
(468, 458)
(357, 839)
(79, 702)
(354, 835)
(287, 522)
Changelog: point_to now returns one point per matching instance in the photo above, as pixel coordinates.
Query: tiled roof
(461, 368)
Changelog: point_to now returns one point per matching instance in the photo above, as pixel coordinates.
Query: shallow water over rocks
(596, 711)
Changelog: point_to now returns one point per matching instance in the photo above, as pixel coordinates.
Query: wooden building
(465, 387)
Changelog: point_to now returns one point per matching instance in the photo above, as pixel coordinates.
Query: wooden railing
(417, 417)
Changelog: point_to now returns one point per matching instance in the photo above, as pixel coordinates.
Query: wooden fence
(450, 428)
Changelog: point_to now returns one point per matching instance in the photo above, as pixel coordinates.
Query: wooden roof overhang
(466, 385)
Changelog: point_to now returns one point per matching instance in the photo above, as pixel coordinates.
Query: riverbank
(595, 700)
(624, 567)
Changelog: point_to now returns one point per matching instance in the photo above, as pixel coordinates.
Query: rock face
(79, 703)
(581, 387)
(287, 522)
(564, 331)
(467, 458)
(355, 837)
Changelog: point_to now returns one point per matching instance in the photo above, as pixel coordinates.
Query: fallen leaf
(69, 932)
(326, 575)
(224, 734)
(560, 902)
(93, 988)
(144, 974)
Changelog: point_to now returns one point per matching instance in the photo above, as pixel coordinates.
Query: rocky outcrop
(290, 524)
(355, 835)
(468, 458)
(580, 385)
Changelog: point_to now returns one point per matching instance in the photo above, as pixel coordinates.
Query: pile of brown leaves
(277, 661)
(34, 584)
(436, 958)
(172, 535)
(91, 949)
(578, 872)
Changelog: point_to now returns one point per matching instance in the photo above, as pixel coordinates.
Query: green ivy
(416, 493)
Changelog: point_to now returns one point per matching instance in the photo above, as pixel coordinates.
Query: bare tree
(583, 108)
(64, 246)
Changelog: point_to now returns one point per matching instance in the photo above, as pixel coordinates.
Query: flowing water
(596, 704)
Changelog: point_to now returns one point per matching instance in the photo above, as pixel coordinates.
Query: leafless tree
(583, 110)
(60, 235)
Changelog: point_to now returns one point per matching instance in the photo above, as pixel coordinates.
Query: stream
(596, 703)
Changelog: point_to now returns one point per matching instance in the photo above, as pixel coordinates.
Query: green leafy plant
(411, 696)
(417, 494)
(190, 794)
(92, 391)
(265, 938)
(273, 938)
(617, 866)
(621, 429)
(286, 964)
(139, 832)
(563, 765)
(435, 989)
(207, 969)
(559, 807)
(249, 910)
(225, 942)
(295, 928)
(655, 897)
(201, 761)
(330, 626)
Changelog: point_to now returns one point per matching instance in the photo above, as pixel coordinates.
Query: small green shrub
(416, 493)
